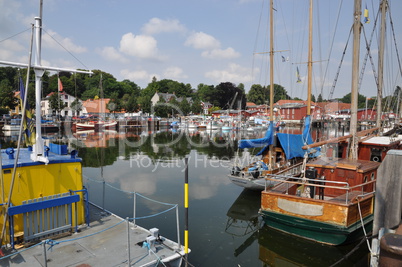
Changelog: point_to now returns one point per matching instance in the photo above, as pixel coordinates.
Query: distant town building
(67, 100)
(205, 107)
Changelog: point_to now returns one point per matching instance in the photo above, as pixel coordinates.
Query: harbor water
(223, 224)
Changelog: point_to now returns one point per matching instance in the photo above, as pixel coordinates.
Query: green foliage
(196, 107)
(257, 95)
(185, 107)
(361, 100)
(56, 103)
(76, 106)
(7, 98)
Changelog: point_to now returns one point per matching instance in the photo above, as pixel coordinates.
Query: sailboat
(43, 197)
(281, 153)
(99, 123)
(334, 202)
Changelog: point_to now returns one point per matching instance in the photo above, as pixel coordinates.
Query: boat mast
(271, 74)
(355, 78)
(271, 61)
(383, 6)
(310, 59)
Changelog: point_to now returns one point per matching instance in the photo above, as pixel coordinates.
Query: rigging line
(340, 65)
(372, 64)
(332, 45)
(319, 41)
(393, 35)
(367, 53)
(12, 36)
(66, 49)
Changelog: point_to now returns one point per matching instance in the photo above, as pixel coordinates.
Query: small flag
(29, 123)
(366, 15)
(60, 85)
(283, 59)
(298, 75)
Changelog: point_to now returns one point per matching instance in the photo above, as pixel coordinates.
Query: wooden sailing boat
(99, 123)
(281, 153)
(334, 202)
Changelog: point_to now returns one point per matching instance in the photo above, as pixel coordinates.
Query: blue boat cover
(291, 143)
(260, 142)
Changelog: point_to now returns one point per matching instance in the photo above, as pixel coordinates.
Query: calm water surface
(224, 226)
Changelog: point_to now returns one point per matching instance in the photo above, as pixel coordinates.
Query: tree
(76, 106)
(56, 103)
(185, 107)
(312, 98)
(319, 99)
(196, 107)
(257, 95)
(361, 100)
(7, 98)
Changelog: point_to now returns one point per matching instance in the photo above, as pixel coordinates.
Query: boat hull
(317, 231)
(248, 183)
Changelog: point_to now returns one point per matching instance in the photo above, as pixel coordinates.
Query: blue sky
(208, 41)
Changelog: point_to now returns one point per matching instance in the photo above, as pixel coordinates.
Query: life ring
(376, 159)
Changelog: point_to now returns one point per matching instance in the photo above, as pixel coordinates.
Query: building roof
(96, 105)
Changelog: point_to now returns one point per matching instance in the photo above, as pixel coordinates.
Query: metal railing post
(134, 207)
(44, 253)
(178, 226)
(128, 241)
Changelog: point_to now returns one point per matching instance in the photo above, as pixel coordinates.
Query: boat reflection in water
(243, 219)
(279, 249)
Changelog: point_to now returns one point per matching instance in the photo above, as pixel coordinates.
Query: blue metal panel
(43, 204)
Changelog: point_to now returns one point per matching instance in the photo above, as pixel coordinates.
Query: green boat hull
(317, 231)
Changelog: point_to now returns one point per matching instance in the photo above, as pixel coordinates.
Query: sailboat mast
(355, 78)
(271, 62)
(383, 7)
(310, 59)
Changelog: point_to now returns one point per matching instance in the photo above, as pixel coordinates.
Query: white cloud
(174, 73)
(227, 53)
(234, 73)
(200, 40)
(156, 25)
(138, 75)
(141, 46)
(53, 40)
(110, 53)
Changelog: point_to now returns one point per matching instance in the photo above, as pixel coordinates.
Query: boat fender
(47, 151)
(256, 173)
(236, 170)
(146, 245)
(10, 152)
(74, 154)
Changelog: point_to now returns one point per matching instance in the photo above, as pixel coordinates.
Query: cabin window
(365, 179)
(372, 176)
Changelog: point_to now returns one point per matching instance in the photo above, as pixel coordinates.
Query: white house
(67, 100)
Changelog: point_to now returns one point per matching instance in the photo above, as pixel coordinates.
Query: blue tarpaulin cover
(291, 143)
(260, 142)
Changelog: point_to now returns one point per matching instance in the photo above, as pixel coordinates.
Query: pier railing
(349, 193)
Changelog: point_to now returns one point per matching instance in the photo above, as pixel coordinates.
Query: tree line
(129, 97)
